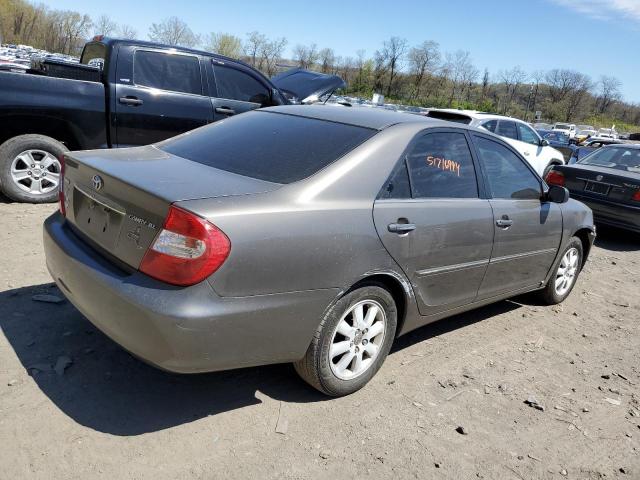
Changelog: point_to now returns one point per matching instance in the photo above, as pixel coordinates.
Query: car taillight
(555, 178)
(636, 196)
(187, 250)
(61, 199)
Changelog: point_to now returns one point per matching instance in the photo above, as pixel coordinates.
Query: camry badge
(599, 178)
(97, 182)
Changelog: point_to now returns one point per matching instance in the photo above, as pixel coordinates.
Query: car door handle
(401, 227)
(225, 111)
(504, 222)
(133, 101)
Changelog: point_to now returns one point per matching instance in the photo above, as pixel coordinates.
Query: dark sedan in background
(590, 146)
(608, 181)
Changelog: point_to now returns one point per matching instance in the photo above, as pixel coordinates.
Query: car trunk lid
(601, 182)
(117, 200)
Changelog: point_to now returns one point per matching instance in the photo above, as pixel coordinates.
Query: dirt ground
(107, 415)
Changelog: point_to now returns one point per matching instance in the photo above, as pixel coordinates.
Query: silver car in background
(314, 235)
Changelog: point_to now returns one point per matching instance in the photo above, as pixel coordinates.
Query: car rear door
(432, 218)
(159, 94)
(527, 230)
(234, 89)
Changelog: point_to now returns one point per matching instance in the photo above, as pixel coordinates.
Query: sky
(596, 37)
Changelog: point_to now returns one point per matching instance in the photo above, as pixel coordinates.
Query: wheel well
(61, 131)
(394, 287)
(583, 235)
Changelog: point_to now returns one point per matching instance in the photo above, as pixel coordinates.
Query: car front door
(527, 230)
(158, 95)
(432, 218)
(237, 89)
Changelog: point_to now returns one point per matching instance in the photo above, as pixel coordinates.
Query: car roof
(374, 118)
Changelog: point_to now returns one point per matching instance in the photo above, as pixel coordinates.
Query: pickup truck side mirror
(556, 194)
(544, 142)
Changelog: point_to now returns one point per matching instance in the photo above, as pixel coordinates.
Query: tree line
(421, 75)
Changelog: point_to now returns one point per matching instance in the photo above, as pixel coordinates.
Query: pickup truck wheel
(30, 169)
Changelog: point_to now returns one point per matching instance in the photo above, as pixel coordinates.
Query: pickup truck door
(235, 89)
(158, 94)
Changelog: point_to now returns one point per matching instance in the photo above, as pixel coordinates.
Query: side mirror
(544, 142)
(556, 194)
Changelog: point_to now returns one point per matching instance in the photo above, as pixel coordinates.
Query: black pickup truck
(125, 93)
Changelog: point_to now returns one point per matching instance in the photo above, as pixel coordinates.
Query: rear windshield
(268, 146)
(94, 54)
(450, 117)
(619, 158)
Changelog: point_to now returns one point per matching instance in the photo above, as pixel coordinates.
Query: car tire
(30, 169)
(565, 274)
(333, 373)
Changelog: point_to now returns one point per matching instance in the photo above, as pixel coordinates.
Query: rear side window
(237, 85)
(440, 166)
(490, 125)
(507, 129)
(268, 146)
(507, 175)
(397, 187)
(177, 73)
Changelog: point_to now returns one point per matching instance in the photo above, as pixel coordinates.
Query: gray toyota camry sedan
(314, 235)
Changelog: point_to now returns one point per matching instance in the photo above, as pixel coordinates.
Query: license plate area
(598, 188)
(96, 219)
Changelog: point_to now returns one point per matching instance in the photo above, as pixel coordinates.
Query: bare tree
(127, 31)
(389, 59)
(579, 86)
(485, 84)
(423, 59)
(270, 52)
(224, 44)
(512, 79)
(173, 31)
(253, 45)
(104, 26)
(559, 82)
(537, 77)
(327, 59)
(458, 68)
(305, 56)
(608, 92)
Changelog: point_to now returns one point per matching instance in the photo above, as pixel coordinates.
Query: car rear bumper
(185, 330)
(613, 214)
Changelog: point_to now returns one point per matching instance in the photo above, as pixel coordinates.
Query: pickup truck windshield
(268, 146)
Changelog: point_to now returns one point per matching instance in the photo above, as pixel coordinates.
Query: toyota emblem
(97, 182)
(599, 178)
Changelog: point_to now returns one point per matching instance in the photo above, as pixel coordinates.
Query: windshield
(269, 146)
(618, 158)
(561, 126)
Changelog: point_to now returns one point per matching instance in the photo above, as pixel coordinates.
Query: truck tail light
(61, 197)
(187, 250)
(555, 178)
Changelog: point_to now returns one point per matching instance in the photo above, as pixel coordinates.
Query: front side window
(507, 175)
(527, 135)
(235, 84)
(440, 166)
(507, 129)
(165, 71)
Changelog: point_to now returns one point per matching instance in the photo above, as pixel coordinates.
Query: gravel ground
(448, 403)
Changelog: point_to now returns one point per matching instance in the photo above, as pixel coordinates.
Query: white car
(568, 128)
(516, 132)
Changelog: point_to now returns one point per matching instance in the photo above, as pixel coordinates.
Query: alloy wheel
(357, 339)
(567, 270)
(36, 171)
